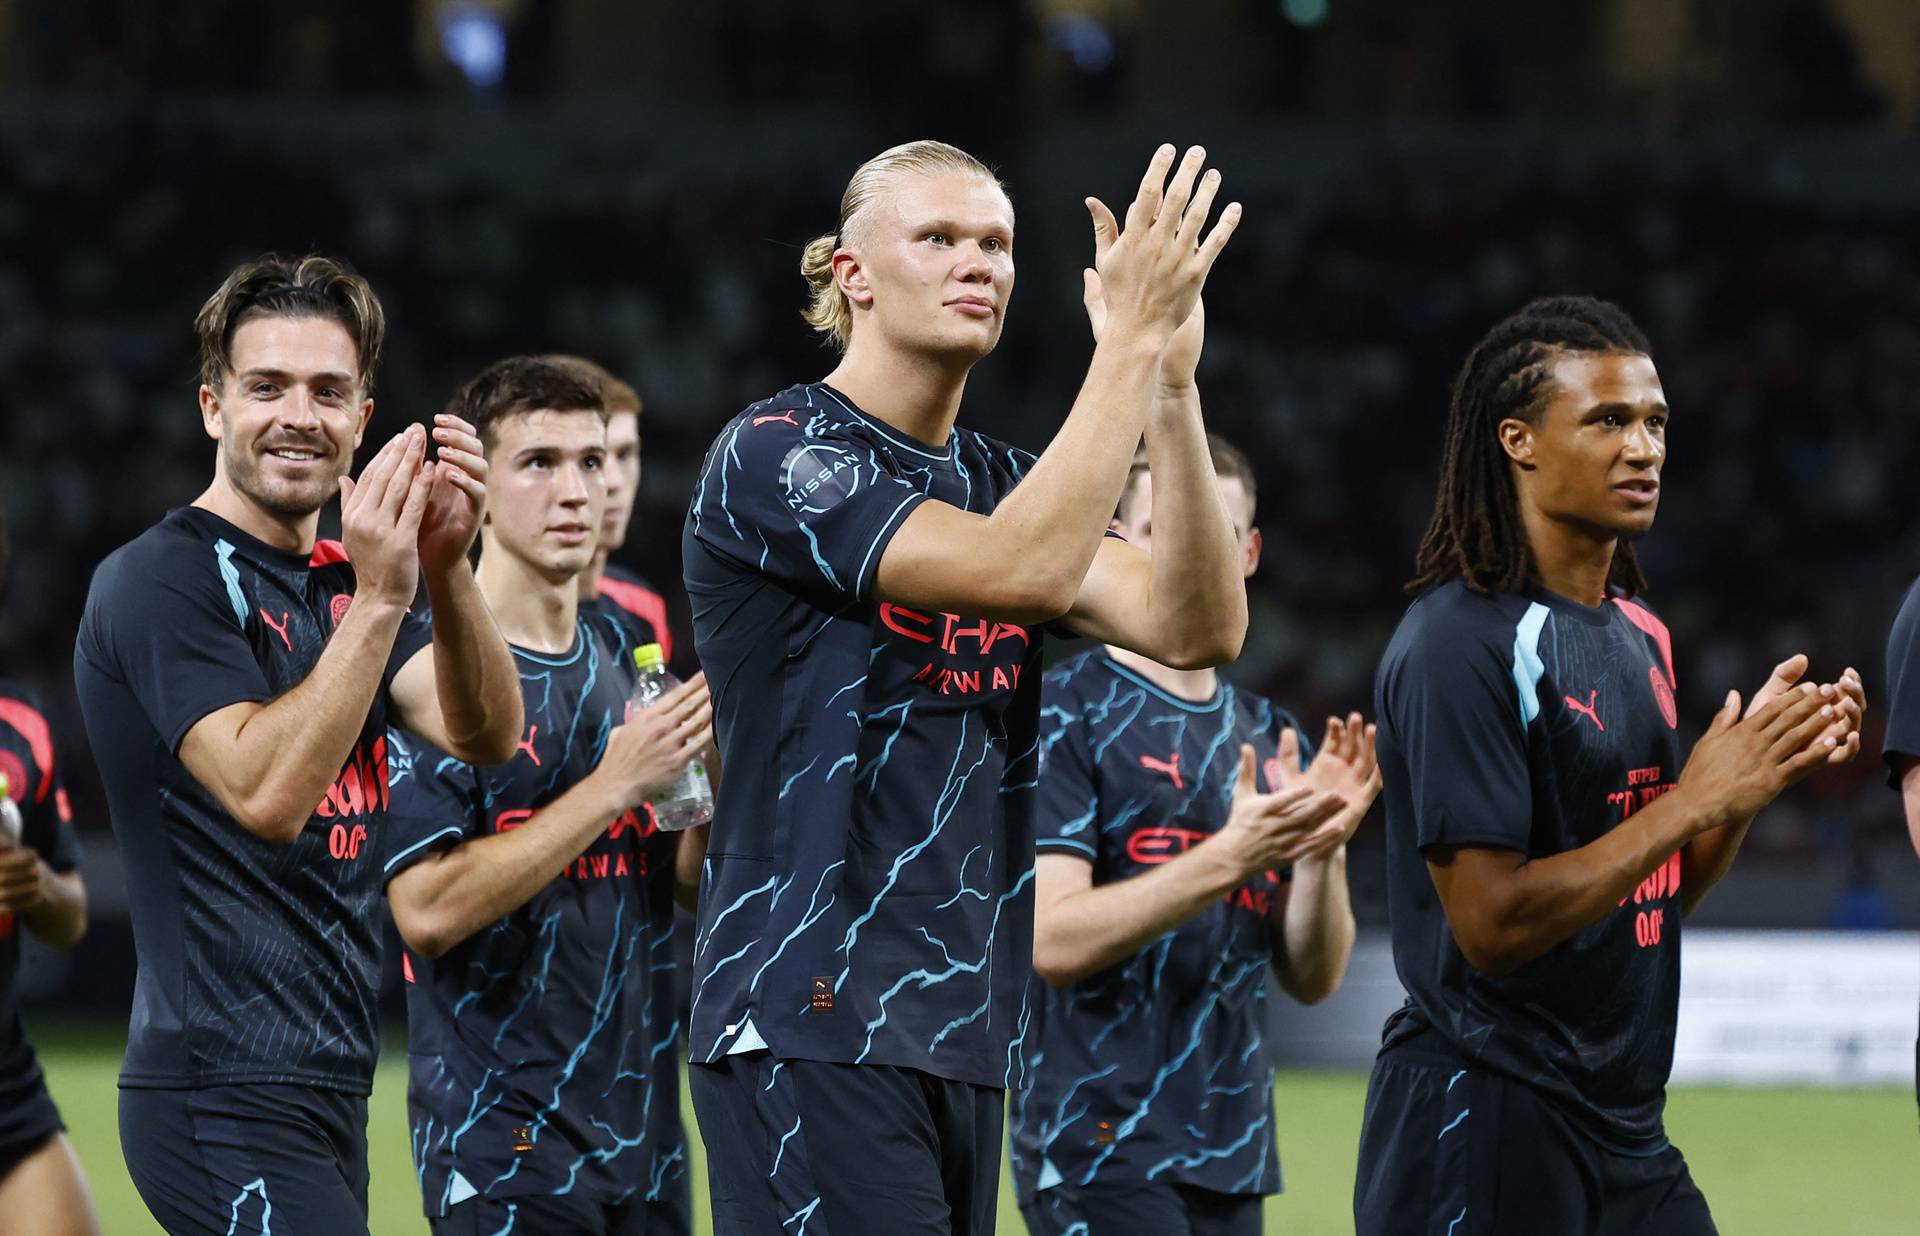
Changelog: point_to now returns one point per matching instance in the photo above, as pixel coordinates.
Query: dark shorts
(27, 1118)
(248, 1159)
(1447, 1151)
(564, 1215)
(846, 1149)
(1127, 1209)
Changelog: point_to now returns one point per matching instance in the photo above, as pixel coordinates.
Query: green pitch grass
(1770, 1161)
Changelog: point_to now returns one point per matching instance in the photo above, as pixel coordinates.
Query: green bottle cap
(649, 657)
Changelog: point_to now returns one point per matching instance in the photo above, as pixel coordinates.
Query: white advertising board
(1823, 1008)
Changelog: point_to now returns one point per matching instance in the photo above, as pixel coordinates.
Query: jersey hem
(177, 1081)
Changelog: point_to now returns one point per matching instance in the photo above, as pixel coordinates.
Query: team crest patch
(1272, 769)
(1663, 696)
(340, 606)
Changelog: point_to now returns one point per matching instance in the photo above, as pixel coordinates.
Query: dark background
(633, 181)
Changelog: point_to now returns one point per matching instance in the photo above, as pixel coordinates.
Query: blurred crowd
(1782, 295)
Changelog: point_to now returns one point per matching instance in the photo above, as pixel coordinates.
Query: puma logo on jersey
(786, 416)
(280, 627)
(1587, 708)
(1169, 766)
(526, 744)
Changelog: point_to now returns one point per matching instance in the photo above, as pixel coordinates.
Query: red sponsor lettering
(639, 820)
(948, 630)
(344, 843)
(1646, 927)
(511, 819)
(1160, 845)
(1255, 899)
(1649, 924)
(361, 787)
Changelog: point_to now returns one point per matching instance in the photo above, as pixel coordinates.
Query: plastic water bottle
(690, 802)
(10, 822)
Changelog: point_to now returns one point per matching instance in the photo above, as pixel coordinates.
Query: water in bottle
(690, 802)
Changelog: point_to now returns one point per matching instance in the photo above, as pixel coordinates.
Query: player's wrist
(375, 599)
(1702, 813)
(1137, 341)
(1232, 858)
(439, 578)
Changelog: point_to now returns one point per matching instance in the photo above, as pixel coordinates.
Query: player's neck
(915, 394)
(1569, 560)
(533, 610)
(296, 535)
(590, 578)
(1196, 686)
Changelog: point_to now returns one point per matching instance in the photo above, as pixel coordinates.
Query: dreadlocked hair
(1476, 535)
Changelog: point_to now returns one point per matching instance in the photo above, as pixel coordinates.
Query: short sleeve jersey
(1532, 723)
(258, 962)
(1902, 741)
(867, 896)
(543, 1048)
(1153, 1070)
(629, 613)
(34, 773)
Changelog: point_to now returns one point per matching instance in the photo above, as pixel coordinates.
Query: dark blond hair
(829, 312)
(307, 287)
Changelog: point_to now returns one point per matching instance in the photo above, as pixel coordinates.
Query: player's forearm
(273, 770)
(474, 675)
(1084, 932)
(444, 900)
(1526, 912)
(1047, 530)
(1314, 937)
(61, 918)
(1707, 858)
(1197, 601)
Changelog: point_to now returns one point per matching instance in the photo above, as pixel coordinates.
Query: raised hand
(380, 518)
(1266, 831)
(459, 493)
(1150, 274)
(1347, 766)
(645, 755)
(1743, 763)
(1848, 696)
(1180, 360)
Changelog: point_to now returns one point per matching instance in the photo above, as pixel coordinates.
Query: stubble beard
(283, 500)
